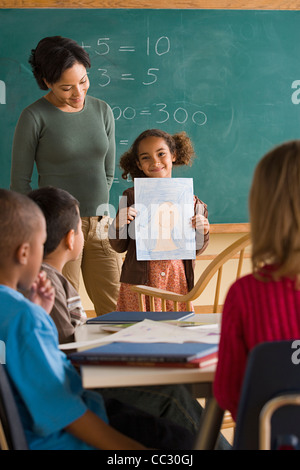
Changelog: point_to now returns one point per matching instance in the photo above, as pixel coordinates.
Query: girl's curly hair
(179, 144)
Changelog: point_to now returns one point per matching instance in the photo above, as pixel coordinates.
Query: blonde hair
(274, 205)
(179, 144)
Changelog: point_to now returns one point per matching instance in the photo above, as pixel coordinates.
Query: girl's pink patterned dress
(163, 274)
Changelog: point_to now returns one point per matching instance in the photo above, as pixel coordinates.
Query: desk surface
(120, 376)
(199, 380)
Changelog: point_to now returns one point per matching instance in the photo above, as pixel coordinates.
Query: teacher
(71, 138)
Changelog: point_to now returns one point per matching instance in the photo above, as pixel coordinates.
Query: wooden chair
(215, 267)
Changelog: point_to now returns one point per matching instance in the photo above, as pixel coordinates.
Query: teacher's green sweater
(72, 151)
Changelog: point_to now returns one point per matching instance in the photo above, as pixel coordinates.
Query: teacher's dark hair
(52, 56)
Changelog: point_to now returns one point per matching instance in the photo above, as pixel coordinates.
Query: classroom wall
(218, 241)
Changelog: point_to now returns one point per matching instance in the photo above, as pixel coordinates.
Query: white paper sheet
(163, 228)
(149, 331)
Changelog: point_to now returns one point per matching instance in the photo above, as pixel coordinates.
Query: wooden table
(199, 381)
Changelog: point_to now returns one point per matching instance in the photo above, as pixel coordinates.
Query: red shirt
(254, 312)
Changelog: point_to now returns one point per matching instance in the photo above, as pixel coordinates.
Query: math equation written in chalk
(111, 72)
(103, 47)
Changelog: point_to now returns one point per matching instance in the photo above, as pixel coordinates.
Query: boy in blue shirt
(57, 413)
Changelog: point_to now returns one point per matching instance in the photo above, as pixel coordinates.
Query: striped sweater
(254, 312)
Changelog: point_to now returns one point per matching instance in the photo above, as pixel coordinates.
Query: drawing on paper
(163, 228)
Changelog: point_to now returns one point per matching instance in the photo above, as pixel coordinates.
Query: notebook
(133, 317)
(148, 354)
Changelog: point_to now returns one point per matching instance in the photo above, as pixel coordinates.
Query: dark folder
(145, 353)
(133, 317)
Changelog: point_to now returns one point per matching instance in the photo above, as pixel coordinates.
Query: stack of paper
(154, 344)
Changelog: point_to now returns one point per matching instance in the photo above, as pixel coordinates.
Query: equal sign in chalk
(123, 142)
(126, 49)
(127, 76)
(145, 112)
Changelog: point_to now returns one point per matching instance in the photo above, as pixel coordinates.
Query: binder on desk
(187, 355)
(133, 317)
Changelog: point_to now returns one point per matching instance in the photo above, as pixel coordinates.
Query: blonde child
(265, 305)
(153, 155)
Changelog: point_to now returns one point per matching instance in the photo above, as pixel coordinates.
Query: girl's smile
(154, 158)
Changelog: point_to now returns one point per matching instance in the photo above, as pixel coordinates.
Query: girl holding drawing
(153, 155)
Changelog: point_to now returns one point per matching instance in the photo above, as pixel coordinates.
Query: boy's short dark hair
(19, 219)
(61, 212)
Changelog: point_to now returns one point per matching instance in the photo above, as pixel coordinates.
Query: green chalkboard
(230, 79)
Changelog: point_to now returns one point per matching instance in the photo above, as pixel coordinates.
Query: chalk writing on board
(157, 47)
(2, 92)
(160, 46)
(162, 114)
(151, 47)
(151, 76)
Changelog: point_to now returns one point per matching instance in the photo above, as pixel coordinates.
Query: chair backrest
(12, 436)
(271, 374)
(216, 266)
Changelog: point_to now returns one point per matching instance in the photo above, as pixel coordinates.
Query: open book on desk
(187, 355)
(133, 317)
